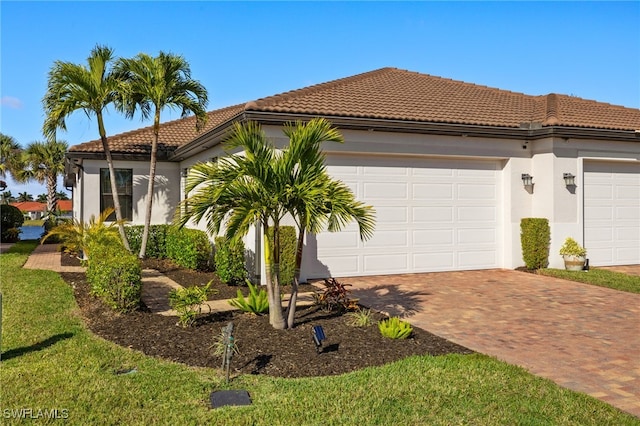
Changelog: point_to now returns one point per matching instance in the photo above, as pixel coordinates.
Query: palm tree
(157, 83)
(9, 155)
(41, 198)
(24, 196)
(317, 201)
(62, 195)
(44, 162)
(91, 89)
(262, 186)
(7, 197)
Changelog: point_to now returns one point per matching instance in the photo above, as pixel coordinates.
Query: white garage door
(612, 213)
(431, 215)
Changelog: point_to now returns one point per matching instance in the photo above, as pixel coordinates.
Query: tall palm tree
(262, 185)
(44, 162)
(154, 84)
(9, 155)
(91, 89)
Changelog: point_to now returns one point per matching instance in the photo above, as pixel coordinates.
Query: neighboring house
(35, 210)
(443, 162)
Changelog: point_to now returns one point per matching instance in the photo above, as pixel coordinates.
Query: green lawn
(38, 222)
(599, 277)
(50, 361)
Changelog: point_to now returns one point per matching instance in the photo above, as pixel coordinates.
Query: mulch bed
(262, 350)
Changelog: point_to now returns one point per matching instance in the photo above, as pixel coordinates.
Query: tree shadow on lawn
(36, 346)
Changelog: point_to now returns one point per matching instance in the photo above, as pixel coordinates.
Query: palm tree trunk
(112, 178)
(52, 196)
(276, 318)
(291, 308)
(152, 177)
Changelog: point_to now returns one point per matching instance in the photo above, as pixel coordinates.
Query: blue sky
(243, 51)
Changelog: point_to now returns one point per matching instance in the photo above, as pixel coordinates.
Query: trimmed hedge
(189, 248)
(230, 262)
(288, 243)
(156, 243)
(115, 276)
(535, 237)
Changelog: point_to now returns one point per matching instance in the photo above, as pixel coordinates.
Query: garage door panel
(390, 239)
(435, 191)
(612, 212)
(431, 215)
(386, 263)
(433, 237)
(385, 191)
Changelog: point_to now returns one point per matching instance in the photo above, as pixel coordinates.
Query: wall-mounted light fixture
(527, 181)
(184, 173)
(569, 179)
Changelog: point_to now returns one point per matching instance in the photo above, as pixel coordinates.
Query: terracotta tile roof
(172, 134)
(395, 94)
(35, 206)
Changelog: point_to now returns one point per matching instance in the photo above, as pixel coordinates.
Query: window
(124, 184)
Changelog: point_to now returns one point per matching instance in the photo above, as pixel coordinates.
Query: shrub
(156, 243)
(79, 237)
(288, 244)
(189, 248)
(188, 302)
(572, 248)
(229, 260)
(115, 276)
(535, 237)
(257, 302)
(359, 318)
(11, 219)
(334, 297)
(395, 328)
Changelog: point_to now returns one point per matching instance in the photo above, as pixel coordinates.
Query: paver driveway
(582, 337)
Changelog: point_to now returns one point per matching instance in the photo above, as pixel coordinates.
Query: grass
(51, 361)
(599, 277)
(37, 222)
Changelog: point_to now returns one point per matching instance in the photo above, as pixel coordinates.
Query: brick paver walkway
(582, 337)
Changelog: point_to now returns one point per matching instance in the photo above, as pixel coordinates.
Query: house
(450, 167)
(36, 210)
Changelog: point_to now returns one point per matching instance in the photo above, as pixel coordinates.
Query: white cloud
(11, 102)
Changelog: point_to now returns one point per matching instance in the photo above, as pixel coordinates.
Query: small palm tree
(24, 196)
(154, 84)
(79, 236)
(263, 185)
(91, 89)
(10, 153)
(44, 162)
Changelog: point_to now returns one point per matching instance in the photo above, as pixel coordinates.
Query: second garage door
(431, 215)
(612, 213)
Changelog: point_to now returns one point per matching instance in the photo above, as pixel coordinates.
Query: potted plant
(574, 255)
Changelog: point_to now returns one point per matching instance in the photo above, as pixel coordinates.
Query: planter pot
(574, 263)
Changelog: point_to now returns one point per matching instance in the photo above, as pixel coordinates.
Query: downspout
(257, 261)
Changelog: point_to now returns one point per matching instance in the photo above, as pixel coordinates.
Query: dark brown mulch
(262, 350)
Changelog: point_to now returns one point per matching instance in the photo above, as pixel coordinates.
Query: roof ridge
(270, 100)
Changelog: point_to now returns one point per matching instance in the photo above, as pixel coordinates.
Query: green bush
(256, 303)
(156, 243)
(572, 248)
(394, 328)
(288, 244)
(188, 301)
(189, 248)
(115, 276)
(229, 260)
(11, 218)
(535, 237)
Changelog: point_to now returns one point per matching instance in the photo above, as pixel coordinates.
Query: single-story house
(36, 210)
(450, 167)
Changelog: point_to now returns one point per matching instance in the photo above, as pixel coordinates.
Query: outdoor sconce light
(3, 185)
(569, 179)
(527, 181)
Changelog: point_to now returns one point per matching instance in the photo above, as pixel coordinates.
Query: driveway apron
(582, 337)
